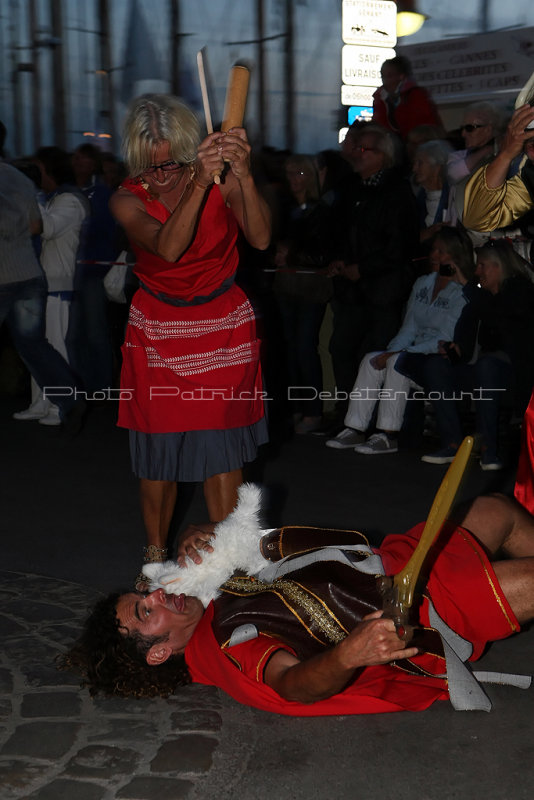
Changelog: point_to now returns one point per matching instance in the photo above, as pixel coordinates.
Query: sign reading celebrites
(475, 66)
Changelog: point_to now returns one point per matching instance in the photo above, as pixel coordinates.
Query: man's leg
(158, 499)
(440, 380)
(502, 526)
(26, 322)
(516, 579)
(220, 492)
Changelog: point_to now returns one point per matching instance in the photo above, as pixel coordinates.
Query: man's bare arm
(374, 641)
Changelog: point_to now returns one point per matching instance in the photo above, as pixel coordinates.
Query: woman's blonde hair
(155, 118)
(306, 165)
(502, 252)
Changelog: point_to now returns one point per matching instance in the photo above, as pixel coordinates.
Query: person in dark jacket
(491, 355)
(302, 288)
(378, 238)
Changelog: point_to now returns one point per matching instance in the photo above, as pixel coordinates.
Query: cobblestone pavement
(70, 511)
(58, 744)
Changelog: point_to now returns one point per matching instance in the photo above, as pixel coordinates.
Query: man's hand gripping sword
(398, 592)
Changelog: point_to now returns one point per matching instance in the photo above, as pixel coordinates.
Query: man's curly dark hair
(115, 664)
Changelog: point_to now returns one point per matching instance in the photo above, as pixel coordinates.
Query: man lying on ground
(307, 636)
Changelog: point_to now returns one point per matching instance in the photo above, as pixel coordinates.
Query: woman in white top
(434, 306)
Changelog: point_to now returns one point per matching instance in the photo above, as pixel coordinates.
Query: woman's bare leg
(220, 492)
(158, 499)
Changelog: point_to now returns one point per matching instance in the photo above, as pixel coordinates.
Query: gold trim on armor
(295, 593)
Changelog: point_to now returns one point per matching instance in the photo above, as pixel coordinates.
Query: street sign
(364, 113)
(357, 95)
(360, 66)
(369, 22)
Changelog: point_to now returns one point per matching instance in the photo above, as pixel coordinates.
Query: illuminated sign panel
(357, 95)
(369, 22)
(360, 66)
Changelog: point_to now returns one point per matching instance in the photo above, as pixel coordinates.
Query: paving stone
(18, 775)
(195, 697)
(6, 681)
(49, 740)
(101, 761)
(126, 730)
(26, 648)
(47, 675)
(7, 594)
(128, 706)
(196, 721)
(64, 633)
(69, 790)
(161, 788)
(33, 610)
(188, 753)
(6, 707)
(9, 627)
(51, 704)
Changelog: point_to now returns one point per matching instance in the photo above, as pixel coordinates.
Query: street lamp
(409, 20)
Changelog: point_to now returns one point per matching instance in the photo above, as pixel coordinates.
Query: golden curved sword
(398, 591)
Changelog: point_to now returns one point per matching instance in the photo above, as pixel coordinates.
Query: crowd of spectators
(373, 272)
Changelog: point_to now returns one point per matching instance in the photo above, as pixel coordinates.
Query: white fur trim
(236, 546)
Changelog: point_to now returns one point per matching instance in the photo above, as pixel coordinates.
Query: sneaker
(37, 410)
(346, 439)
(52, 418)
(376, 444)
(490, 464)
(444, 456)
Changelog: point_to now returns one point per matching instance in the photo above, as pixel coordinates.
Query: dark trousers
(301, 321)
(487, 381)
(23, 307)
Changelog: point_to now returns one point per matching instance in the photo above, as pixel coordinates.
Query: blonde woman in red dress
(191, 388)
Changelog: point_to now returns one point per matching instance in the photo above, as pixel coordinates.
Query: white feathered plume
(236, 546)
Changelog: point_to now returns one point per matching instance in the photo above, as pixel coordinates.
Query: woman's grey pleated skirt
(194, 455)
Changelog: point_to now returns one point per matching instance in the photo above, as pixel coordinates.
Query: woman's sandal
(151, 553)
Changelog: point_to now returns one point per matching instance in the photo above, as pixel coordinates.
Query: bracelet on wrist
(197, 183)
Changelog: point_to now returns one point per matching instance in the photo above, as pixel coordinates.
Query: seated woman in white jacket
(433, 309)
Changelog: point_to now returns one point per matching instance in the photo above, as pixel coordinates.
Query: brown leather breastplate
(311, 608)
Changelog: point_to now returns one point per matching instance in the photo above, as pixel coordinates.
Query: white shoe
(346, 439)
(377, 444)
(37, 410)
(52, 418)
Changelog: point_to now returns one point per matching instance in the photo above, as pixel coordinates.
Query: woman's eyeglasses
(166, 166)
(472, 126)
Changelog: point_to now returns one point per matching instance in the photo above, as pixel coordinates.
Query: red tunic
(191, 367)
(416, 107)
(524, 485)
(465, 592)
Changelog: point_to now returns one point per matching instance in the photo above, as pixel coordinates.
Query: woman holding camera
(434, 306)
(491, 354)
